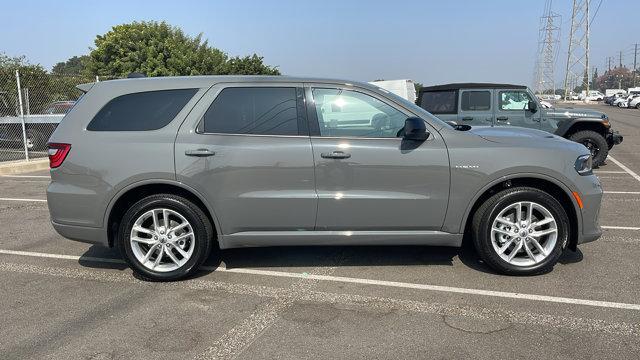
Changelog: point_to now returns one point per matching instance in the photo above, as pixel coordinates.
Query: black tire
(638, 106)
(595, 142)
(486, 214)
(203, 234)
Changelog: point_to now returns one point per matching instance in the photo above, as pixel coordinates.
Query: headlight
(584, 165)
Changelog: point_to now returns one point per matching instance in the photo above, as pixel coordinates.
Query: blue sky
(428, 41)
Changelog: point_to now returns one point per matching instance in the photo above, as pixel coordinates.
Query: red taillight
(57, 153)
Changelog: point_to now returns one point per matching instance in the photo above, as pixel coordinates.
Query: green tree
(39, 89)
(248, 65)
(159, 49)
(74, 65)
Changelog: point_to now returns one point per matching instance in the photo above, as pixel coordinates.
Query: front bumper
(591, 193)
(613, 138)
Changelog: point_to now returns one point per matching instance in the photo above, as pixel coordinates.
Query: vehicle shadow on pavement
(319, 256)
(102, 252)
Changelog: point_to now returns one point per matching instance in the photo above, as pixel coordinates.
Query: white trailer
(403, 88)
(609, 92)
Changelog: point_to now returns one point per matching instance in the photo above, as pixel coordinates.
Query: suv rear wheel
(521, 231)
(595, 142)
(164, 237)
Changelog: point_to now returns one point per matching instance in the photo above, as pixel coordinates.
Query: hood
(570, 113)
(512, 134)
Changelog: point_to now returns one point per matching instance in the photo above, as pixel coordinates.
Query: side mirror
(415, 129)
(533, 106)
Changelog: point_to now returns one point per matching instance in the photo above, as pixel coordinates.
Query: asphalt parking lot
(62, 299)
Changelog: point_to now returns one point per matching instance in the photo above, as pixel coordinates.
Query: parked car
(38, 126)
(167, 169)
(634, 102)
(612, 98)
(485, 104)
(623, 102)
(594, 95)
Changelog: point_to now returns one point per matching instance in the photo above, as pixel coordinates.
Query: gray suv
(167, 169)
(487, 104)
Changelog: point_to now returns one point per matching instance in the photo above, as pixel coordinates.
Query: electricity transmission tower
(548, 40)
(577, 71)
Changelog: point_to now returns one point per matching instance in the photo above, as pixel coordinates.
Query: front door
(475, 107)
(368, 178)
(513, 109)
(246, 148)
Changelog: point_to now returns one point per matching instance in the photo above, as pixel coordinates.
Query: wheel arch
(545, 183)
(576, 125)
(136, 191)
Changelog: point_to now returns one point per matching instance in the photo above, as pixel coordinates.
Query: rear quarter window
(150, 110)
(440, 102)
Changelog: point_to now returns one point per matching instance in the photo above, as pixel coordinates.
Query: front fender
(522, 175)
(567, 126)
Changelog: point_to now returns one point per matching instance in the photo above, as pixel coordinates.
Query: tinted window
(514, 100)
(141, 111)
(475, 100)
(440, 102)
(351, 113)
(258, 110)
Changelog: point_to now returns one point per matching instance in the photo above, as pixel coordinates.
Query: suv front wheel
(595, 142)
(164, 237)
(521, 231)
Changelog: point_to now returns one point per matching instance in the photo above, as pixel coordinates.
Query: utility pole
(578, 50)
(635, 59)
(548, 40)
(620, 58)
(610, 58)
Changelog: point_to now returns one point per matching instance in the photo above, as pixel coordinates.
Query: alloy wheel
(524, 233)
(162, 240)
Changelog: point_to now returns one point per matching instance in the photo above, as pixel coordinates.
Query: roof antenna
(134, 75)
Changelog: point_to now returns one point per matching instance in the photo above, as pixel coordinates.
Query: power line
(596, 13)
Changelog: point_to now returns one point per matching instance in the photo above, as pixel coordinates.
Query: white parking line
(620, 227)
(26, 176)
(393, 284)
(626, 169)
(609, 172)
(623, 192)
(21, 199)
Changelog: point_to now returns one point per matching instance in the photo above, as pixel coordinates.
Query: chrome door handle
(336, 155)
(467, 118)
(502, 118)
(199, 153)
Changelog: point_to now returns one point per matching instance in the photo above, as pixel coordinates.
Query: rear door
(475, 107)
(246, 148)
(512, 109)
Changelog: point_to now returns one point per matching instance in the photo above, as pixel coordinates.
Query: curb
(17, 167)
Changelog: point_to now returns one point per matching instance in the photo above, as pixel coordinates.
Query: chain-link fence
(32, 104)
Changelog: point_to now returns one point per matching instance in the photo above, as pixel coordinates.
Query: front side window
(475, 101)
(514, 100)
(349, 113)
(253, 110)
(440, 102)
(150, 110)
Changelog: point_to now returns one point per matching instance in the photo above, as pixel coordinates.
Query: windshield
(417, 110)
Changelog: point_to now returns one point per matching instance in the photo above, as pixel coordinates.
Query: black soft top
(457, 86)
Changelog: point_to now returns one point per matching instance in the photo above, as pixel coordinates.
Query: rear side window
(440, 102)
(141, 111)
(475, 100)
(253, 110)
